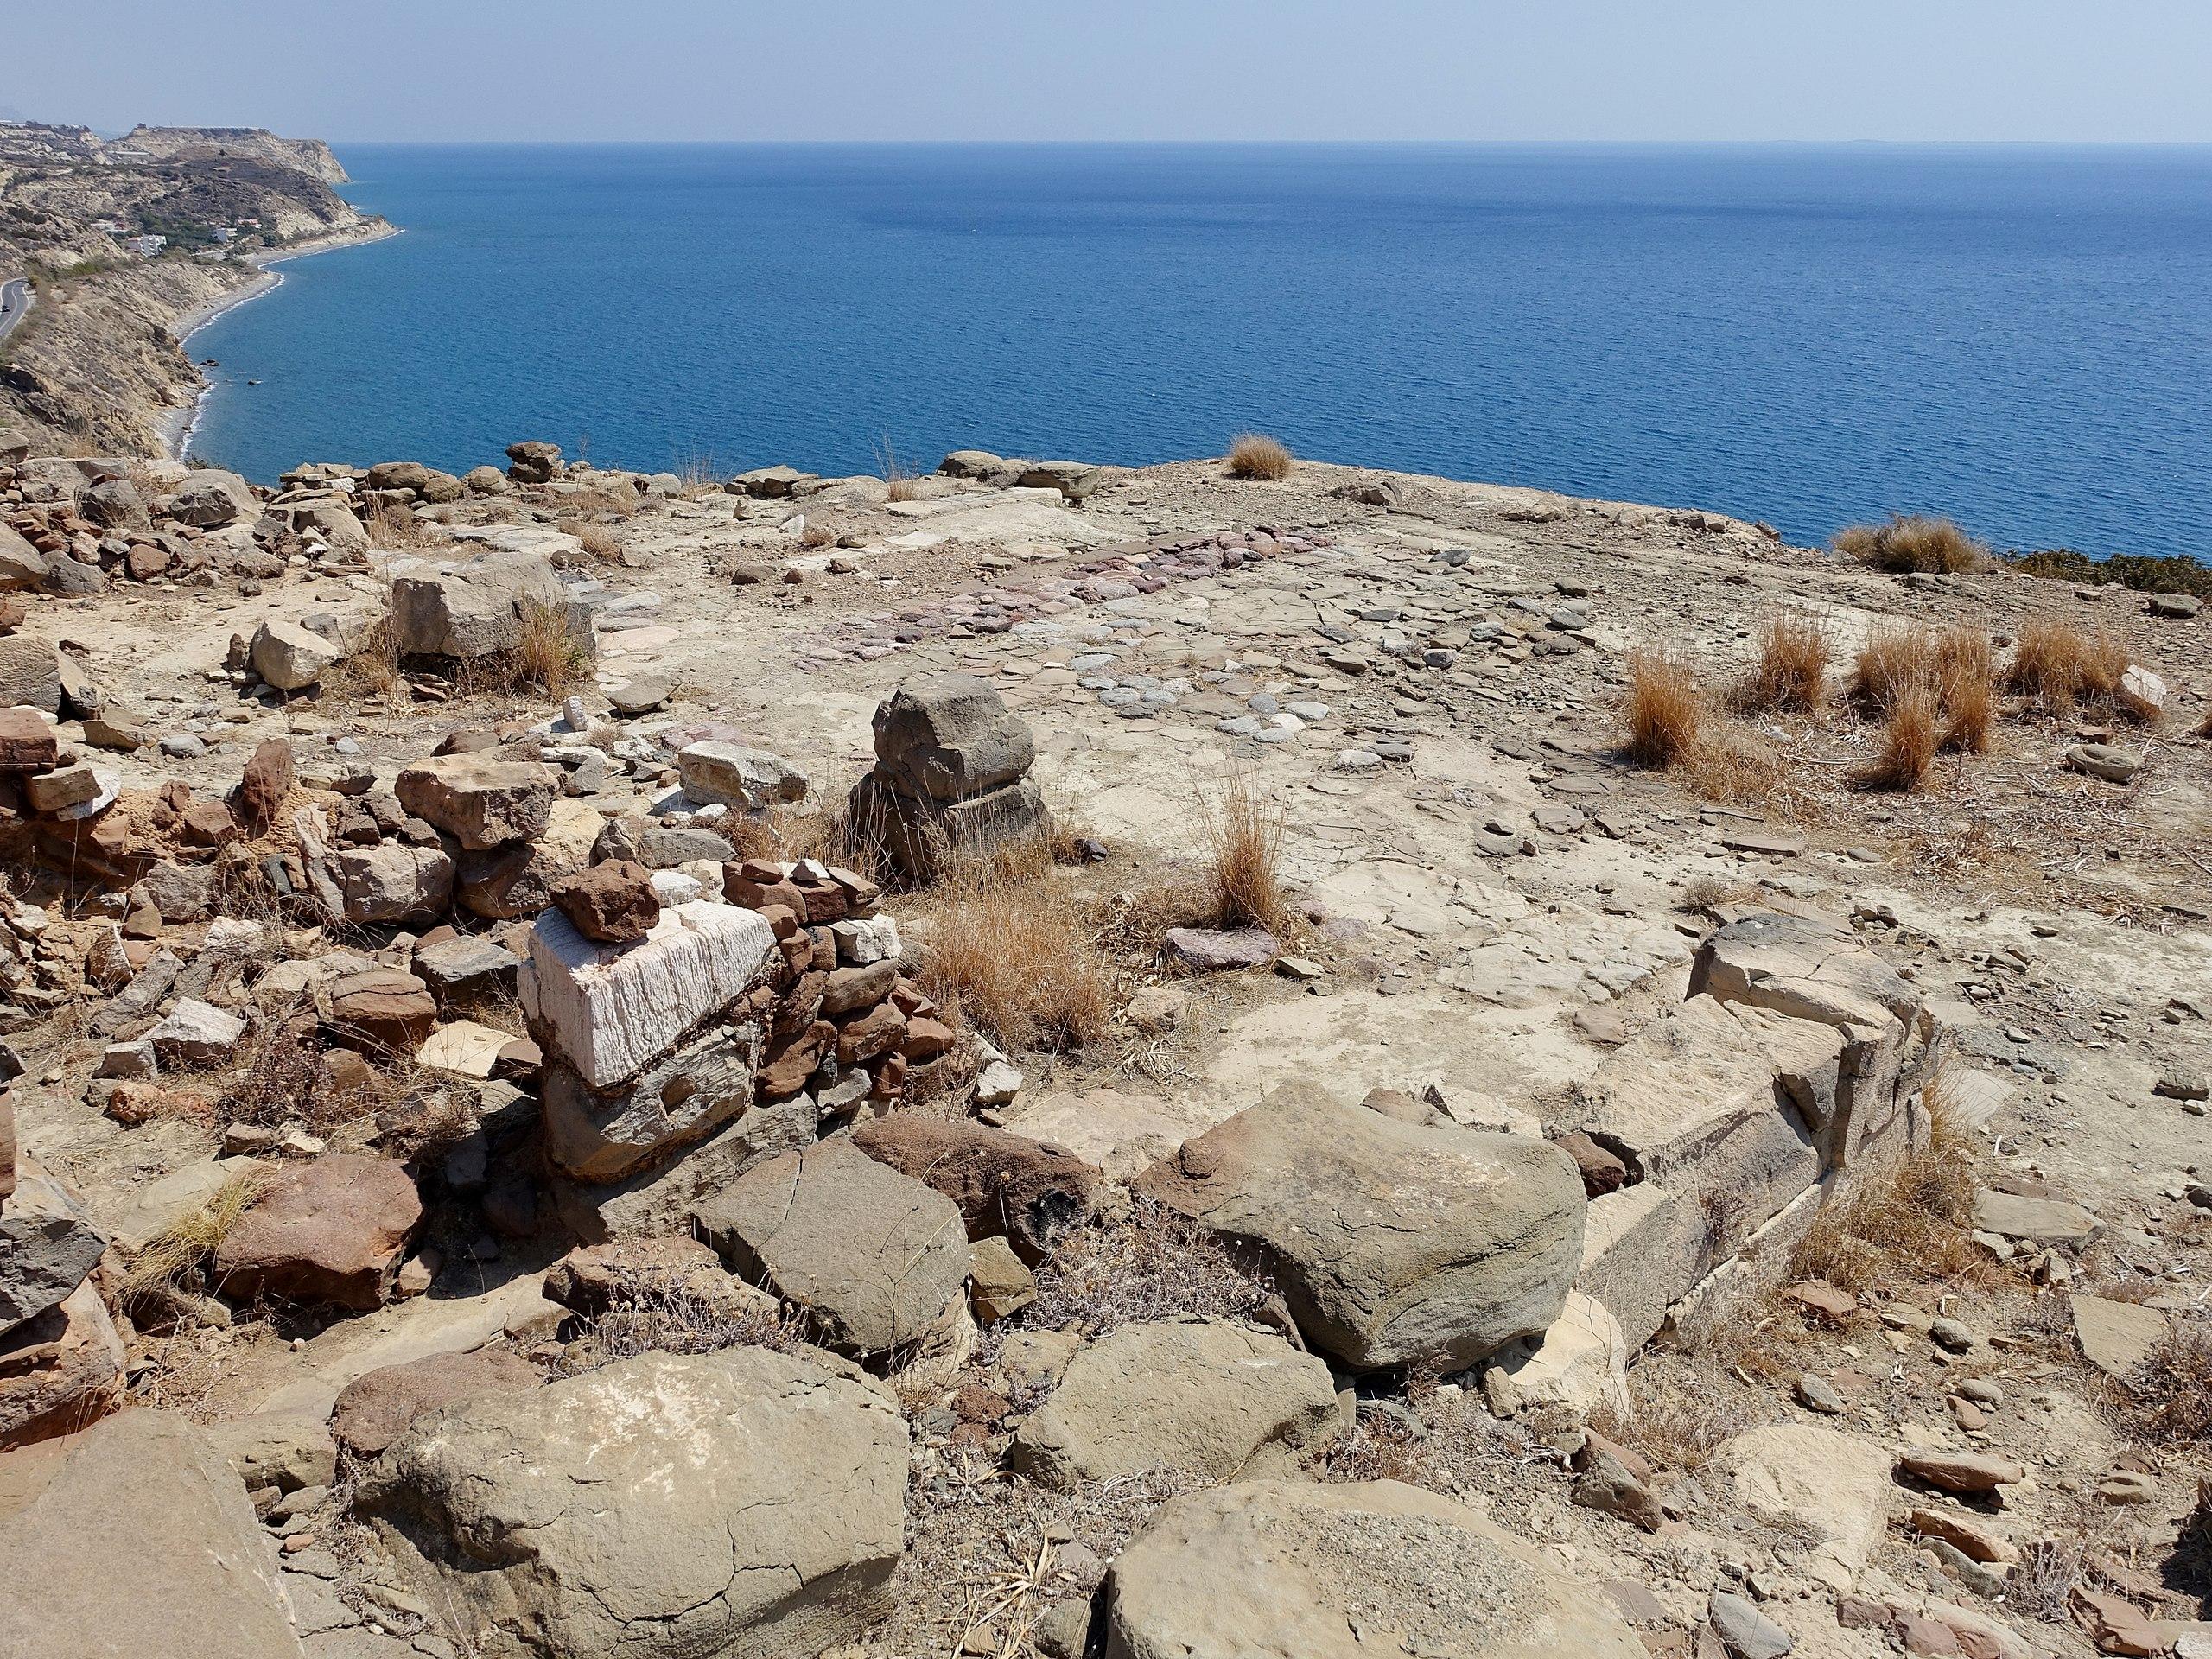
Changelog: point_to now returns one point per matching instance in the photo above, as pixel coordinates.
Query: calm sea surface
(2019, 337)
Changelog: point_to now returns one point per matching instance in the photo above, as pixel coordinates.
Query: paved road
(15, 304)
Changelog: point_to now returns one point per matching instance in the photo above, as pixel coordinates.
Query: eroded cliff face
(100, 364)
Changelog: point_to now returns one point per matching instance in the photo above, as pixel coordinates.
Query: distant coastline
(177, 426)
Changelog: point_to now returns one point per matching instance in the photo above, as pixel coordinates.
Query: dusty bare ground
(1493, 898)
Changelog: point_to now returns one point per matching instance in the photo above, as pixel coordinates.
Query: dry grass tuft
(599, 541)
(1793, 667)
(1245, 841)
(2168, 1398)
(2063, 666)
(901, 481)
(1892, 659)
(1915, 544)
(1008, 946)
(1966, 686)
(1665, 708)
(647, 1314)
(1684, 1407)
(400, 529)
(549, 658)
(175, 1257)
(1727, 763)
(1708, 892)
(1155, 1263)
(1912, 732)
(370, 670)
(1252, 455)
(1907, 1228)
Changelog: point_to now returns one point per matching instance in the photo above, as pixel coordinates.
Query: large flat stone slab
(1395, 1243)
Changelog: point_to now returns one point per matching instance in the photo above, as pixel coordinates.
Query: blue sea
(2020, 337)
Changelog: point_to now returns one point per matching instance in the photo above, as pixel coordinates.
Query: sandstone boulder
(610, 904)
(1285, 1569)
(734, 775)
(473, 607)
(916, 833)
(533, 462)
(196, 1034)
(949, 736)
(482, 802)
(393, 882)
(210, 497)
(1395, 1243)
(382, 1009)
(21, 565)
(878, 1260)
(48, 1244)
(31, 674)
(265, 783)
(60, 1369)
(136, 1538)
(1005, 1186)
(27, 742)
(744, 1504)
(376, 1408)
(1195, 1397)
(288, 656)
(601, 1135)
(328, 1230)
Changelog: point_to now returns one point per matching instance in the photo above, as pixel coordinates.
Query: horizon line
(1286, 144)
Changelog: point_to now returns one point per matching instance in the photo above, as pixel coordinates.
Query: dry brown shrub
(1245, 843)
(548, 658)
(1663, 710)
(817, 536)
(646, 1314)
(1892, 659)
(1009, 947)
(2063, 666)
(1966, 686)
(400, 529)
(1254, 456)
(1154, 1263)
(1914, 543)
(1909, 1227)
(1793, 666)
(599, 541)
(1727, 763)
(1912, 732)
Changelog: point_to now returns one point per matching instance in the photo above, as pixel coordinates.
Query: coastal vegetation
(1255, 456)
(1914, 543)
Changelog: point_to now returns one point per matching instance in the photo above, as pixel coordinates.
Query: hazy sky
(1407, 69)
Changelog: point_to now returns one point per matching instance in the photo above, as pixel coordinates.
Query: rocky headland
(1238, 1058)
(96, 365)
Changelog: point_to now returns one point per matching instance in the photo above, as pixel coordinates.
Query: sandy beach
(176, 425)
